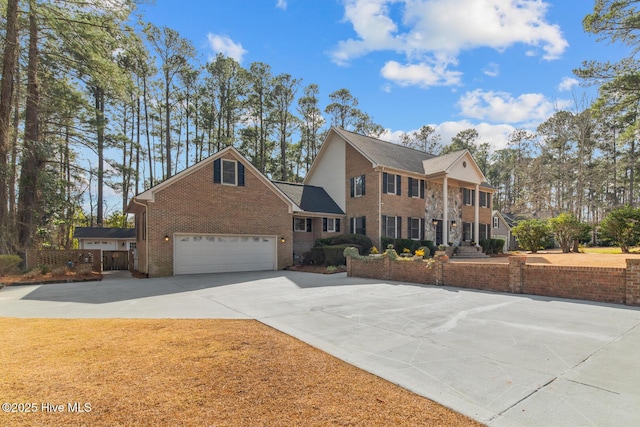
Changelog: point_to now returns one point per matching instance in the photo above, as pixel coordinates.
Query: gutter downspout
(146, 258)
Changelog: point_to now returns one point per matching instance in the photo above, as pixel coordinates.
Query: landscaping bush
(84, 269)
(9, 264)
(59, 271)
(330, 254)
(323, 242)
(362, 242)
(492, 246)
(317, 255)
(399, 245)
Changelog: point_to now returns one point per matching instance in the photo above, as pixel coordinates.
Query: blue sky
(495, 65)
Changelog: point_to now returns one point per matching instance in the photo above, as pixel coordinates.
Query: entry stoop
(469, 252)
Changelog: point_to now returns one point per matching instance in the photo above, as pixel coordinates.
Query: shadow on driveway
(131, 289)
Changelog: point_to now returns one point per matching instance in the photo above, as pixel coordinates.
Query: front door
(438, 227)
(467, 231)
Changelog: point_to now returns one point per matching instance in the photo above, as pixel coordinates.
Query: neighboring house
(222, 214)
(388, 190)
(502, 224)
(114, 243)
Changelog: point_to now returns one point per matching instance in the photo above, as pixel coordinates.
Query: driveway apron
(502, 359)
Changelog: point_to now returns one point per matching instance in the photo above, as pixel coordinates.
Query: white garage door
(206, 253)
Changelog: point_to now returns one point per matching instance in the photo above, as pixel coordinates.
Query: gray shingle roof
(383, 153)
(104, 233)
(441, 163)
(309, 198)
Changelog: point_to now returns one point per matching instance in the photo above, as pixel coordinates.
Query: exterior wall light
(166, 238)
(435, 222)
(453, 224)
(282, 240)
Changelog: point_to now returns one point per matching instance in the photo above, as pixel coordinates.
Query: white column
(476, 230)
(445, 209)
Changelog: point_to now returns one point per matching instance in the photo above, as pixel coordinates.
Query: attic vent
(464, 164)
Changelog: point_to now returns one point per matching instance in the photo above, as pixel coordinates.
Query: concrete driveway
(505, 360)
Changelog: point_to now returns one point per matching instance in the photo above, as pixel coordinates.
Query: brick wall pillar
(439, 267)
(516, 273)
(633, 282)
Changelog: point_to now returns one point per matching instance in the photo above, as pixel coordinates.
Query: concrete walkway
(505, 360)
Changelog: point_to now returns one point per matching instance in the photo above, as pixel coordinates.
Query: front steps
(469, 252)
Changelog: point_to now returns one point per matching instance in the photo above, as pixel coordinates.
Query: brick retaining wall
(611, 285)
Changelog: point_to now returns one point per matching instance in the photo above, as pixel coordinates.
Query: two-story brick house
(388, 190)
(222, 214)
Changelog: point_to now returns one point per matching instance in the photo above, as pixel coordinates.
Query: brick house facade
(387, 190)
(222, 214)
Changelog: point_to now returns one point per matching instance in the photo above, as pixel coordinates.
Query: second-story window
(391, 183)
(485, 199)
(468, 196)
(358, 186)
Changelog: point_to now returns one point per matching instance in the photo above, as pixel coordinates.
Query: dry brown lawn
(555, 257)
(191, 373)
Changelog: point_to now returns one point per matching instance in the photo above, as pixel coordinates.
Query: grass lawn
(608, 250)
(191, 373)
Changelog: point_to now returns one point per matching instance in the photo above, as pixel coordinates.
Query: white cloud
(497, 135)
(282, 4)
(436, 31)
(492, 70)
(503, 107)
(226, 46)
(422, 74)
(567, 84)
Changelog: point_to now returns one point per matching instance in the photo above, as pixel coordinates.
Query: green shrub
(334, 254)
(492, 246)
(317, 255)
(357, 240)
(44, 268)
(9, 264)
(323, 242)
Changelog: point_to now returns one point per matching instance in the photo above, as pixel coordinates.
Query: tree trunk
(28, 201)
(6, 103)
(99, 111)
(146, 123)
(167, 124)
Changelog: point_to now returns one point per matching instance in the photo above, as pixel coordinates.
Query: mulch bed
(191, 373)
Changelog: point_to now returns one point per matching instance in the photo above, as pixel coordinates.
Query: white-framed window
(132, 245)
(391, 184)
(496, 222)
(358, 186)
(485, 199)
(468, 196)
(300, 224)
(415, 228)
(358, 225)
(415, 187)
(331, 225)
(391, 226)
(229, 172)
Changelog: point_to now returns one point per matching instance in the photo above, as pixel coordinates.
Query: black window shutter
(385, 178)
(422, 184)
(309, 221)
(398, 185)
(364, 225)
(410, 188)
(293, 226)
(409, 222)
(337, 225)
(399, 227)
(324, 224)
(352, 225)
(363, 185)
(240, 174)
(352, 187)
(217, 171)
